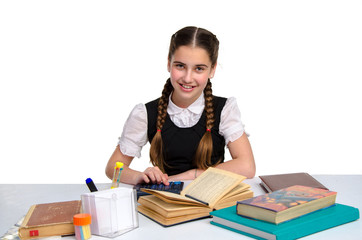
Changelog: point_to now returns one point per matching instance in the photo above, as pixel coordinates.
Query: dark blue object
(174, 187)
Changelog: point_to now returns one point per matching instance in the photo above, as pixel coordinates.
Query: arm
(242, 161)
(130, 176)
(134, 137)
(232, 128)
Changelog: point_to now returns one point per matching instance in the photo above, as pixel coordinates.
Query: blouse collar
(196, 107)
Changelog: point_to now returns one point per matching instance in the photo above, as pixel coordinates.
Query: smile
(186, 87)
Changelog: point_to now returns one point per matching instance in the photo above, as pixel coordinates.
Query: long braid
(156, 149)
(209, 107)
(204, 150)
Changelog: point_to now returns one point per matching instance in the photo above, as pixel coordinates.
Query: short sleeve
(231, 126)
(134, 135)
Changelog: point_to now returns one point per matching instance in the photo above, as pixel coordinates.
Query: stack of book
(288, 213)
(49, 219)
(213, 189)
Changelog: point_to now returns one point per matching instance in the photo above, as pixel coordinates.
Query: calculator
(174, 187)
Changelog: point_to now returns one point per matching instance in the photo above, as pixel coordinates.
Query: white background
(71, 71)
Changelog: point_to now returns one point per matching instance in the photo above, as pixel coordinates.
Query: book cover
(49, 219)
(276, 182)
(305, 225)
(287, 203)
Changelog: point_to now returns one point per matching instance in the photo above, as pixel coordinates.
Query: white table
(15, 200)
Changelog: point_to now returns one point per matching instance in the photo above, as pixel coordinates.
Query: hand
(155, 175)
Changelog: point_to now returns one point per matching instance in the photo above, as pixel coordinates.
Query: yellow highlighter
(117, 174)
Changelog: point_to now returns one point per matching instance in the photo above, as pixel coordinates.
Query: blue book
(305, 225)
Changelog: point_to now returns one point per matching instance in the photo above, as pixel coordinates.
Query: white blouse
(134, 135)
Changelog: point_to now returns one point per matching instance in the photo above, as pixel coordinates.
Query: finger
(165, 179)
(161, 177)
(145, 178)
(151, 176)
(157, 174)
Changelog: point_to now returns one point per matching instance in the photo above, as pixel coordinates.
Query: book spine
(238, 231)
(46, 231)
(310, 227)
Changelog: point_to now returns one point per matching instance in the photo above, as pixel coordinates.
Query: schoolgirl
(188, 127)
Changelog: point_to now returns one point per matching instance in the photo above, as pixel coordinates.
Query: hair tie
(158, 130)
(209, 130)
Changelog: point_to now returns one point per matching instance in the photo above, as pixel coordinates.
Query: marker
(117, 174)
(91, 185)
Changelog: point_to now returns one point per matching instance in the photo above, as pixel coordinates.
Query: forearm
(128, 175)
(239, 166)
(245, 168)
(187, 175)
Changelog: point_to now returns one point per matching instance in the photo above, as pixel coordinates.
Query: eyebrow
(197, 65)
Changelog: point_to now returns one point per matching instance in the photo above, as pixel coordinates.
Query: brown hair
(197, 37)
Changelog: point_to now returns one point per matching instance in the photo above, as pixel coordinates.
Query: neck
(183, 103)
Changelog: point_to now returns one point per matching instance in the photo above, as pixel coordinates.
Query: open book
(213, 189)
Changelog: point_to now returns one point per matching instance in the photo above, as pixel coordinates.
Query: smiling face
(190, 68)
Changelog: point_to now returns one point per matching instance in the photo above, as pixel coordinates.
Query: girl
(187, 126)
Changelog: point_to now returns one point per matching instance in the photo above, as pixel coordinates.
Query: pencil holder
(82, 226)
(113, 211)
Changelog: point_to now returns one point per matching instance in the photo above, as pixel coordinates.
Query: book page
(241, 187)
(212, 185)
(173, 197)
(228, 201)
(170, 209)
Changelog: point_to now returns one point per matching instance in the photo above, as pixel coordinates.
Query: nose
(188, 76)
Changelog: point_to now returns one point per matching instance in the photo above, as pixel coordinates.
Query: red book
(286, 204)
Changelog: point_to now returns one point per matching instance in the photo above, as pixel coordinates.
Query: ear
(212, 71)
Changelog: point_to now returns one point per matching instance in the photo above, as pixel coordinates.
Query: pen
(117, 174)
(91, 185)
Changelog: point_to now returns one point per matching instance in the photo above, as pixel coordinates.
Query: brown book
(49, 219)
(213, 189)
(285, 204)
(276, 182)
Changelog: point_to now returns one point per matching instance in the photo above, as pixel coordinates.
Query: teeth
(187, 87)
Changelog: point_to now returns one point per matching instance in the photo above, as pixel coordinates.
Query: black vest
(180, 144)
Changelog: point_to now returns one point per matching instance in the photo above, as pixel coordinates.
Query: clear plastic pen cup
(82, 228)
(113, 211)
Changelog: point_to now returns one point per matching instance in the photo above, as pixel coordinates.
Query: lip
(186, 88)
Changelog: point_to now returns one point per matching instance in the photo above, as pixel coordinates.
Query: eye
(199, 69)
(179, 66)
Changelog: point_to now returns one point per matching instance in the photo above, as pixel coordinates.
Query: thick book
(317, 221)
(276, 182)
(286, 203)
(213, 189)
(49, 219)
